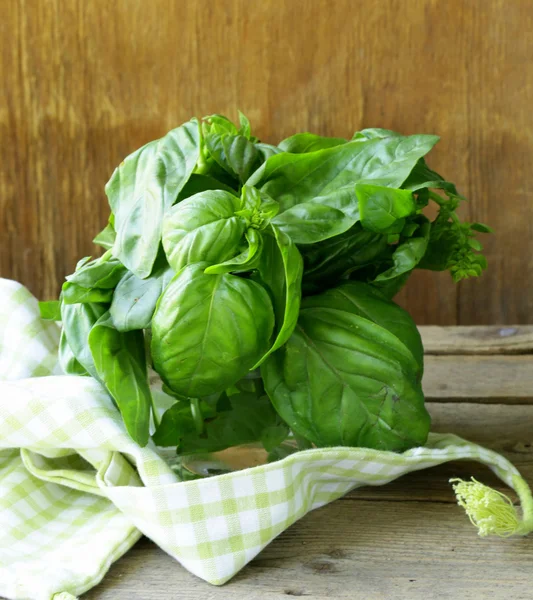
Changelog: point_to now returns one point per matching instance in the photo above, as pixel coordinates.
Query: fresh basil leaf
(67, 361)
(257, 207)
(281, 269)
(245, 261)
(218, 124)
(383, 209)
(311, 222)
(329, 261)
(100, 273)
(135, 299)
(408, 253)
(266, 151)
(106, 238)
(50, 310)
(234, 153)
(342, 379)
(245, 129)
(78, 320)
(120, 362)
(201, 183)
(295, 178)
(249, 419)
(203, 228)
(208, 331)
(308, 142)
(144, 187)
(375, 133)
(390, 287)
(366, 301)
(72, 293)
(423, 177)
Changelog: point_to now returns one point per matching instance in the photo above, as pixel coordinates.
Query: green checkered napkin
(76, 492)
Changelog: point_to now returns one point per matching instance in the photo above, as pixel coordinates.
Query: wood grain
(85, 83)
(477, 340)
(404, 541)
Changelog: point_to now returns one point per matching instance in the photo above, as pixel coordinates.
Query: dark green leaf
(281, 269)
(364, 300)
(208, 331)
(329, 261)
(249, 419)
(201, 183)
(120, 362)
(144, 187)
(409, 253)
(342, 379)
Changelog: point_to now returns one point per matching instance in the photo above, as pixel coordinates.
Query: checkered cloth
(76, 492)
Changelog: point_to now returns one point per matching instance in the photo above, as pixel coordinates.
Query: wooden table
(408, 540)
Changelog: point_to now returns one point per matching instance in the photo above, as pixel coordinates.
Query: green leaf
(342, 379)
(281, 269)
(296, 178)
(103, 273)
(375, 133)
(234, 153)
(249, 419)
(106, 238)
(481, 228)
(311, 222)
(308, 142)
(366, 301)
(408, 253)
(390, 287)
(203, 228)
(383, 209)
(245, 261)
(144, 187)
(67, 361)
(50, 310)
(135, 299)
(72, 293)
(120, 362)
(245, 128)
(335, 258)
(78, 320)
(201, 183)
(208, 331)
(423, 177)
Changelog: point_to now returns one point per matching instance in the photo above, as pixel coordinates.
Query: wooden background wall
(85, 83)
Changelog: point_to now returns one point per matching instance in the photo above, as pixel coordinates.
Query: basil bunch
(257, 282)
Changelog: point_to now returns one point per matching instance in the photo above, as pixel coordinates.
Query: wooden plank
(417, 545)
(81, 91)
(494, 339)
(479, 378)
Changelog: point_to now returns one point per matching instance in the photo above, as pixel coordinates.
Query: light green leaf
(203, 228)
(120, 362)
(143, 188)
